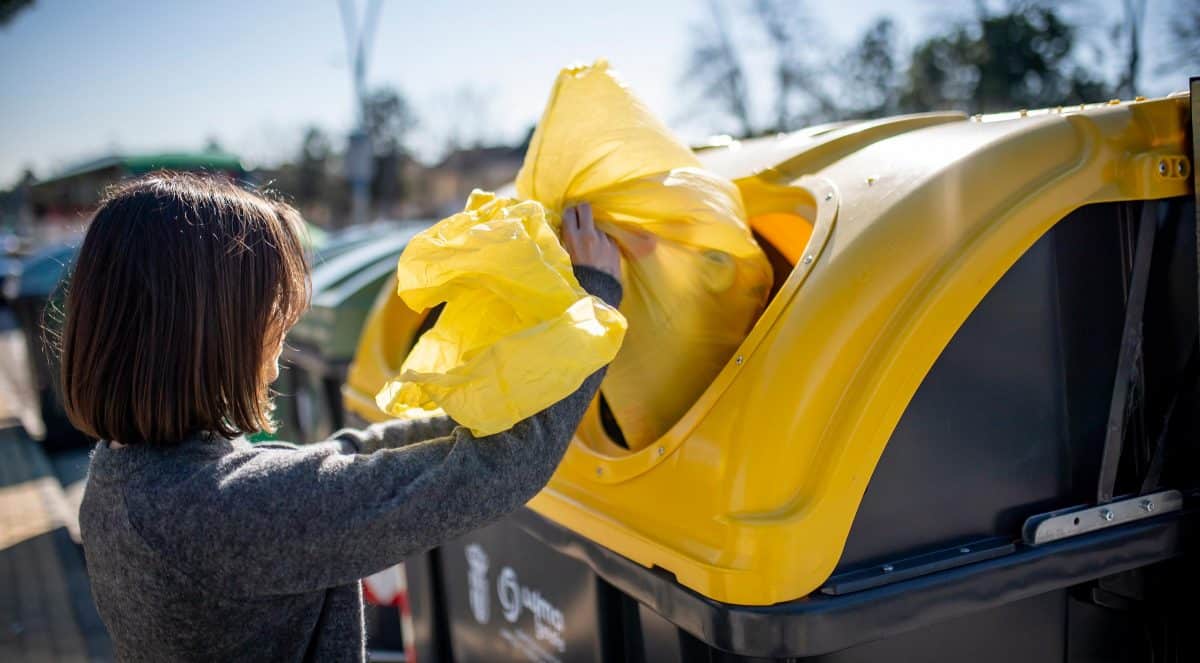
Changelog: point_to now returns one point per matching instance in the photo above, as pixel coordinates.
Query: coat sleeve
(293, 520)
(393, 434)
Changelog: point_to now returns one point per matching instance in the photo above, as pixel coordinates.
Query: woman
(201, 546)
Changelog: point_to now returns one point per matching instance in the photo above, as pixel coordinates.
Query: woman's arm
(291, 521)
(284, 521)
(587, 247)
(394, 434)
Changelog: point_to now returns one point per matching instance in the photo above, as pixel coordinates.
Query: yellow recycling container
(885, 235)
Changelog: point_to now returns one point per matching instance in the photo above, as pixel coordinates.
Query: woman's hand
(587, 245)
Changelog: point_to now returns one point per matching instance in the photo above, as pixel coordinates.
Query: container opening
(608, 421)
(781, 263)
(779, 219)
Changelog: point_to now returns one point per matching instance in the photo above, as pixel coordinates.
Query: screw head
(888, 568)
(1162, 167)
(599, 471)
(1106, 514)
(829, 196)
(1147, 505)
(662, 450)
(739, 360)
(808, 259)
(964, 550)
(1180, 168)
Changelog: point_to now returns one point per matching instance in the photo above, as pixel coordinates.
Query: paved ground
(46, 608)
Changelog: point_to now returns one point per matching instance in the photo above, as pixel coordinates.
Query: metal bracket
(1055, 525)
(919, 565)
(1129, 357)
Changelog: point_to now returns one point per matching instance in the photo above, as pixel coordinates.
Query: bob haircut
(182, 292)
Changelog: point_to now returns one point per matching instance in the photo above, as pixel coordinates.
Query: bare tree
(806, 79)
(388, 119)
(794, 38)
(779, 20)
(10, 8)
(714, 67)
(873, 72)
(1130, 28)
(1184, 26)
(312, 167)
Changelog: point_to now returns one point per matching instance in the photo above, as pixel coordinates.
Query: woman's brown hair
(183, 289)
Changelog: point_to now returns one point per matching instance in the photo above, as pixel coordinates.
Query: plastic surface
(518, 332)
(750, 497)
(334, 271)
(556, 563)
(389, 332)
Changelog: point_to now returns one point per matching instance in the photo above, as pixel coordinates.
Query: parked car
(35, 291)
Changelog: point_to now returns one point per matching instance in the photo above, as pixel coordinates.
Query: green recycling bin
(320, 346)
(325, 262)
(330, 248)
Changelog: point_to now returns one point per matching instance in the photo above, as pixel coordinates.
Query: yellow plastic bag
(694, 278)
(518, 333)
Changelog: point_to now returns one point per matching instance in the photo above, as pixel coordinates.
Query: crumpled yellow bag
(695, 280)
(518, 332)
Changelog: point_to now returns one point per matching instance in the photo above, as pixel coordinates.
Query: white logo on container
(510, 594)
(477, 583)
(548, 621)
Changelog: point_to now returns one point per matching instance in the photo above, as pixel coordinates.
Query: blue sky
(81, 79)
